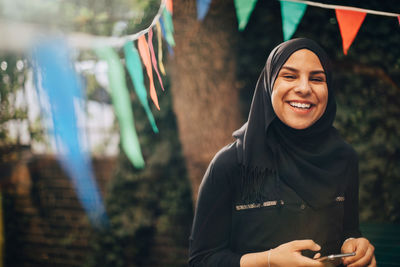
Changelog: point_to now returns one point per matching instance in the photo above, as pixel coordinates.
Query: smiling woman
(300, 92)
(286, 191)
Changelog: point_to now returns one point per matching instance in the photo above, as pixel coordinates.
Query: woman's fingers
(358, 245)
(365, 259)
(305, 244)
(289, 254)
(305, 261)
(364, 253)
(373, 262)
(349, 246)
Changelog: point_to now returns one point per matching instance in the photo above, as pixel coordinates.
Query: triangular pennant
(160, 52)
(169, 6)
(145, 55)
(153, 56)
(166, 23)
(202, 8)
(122, 106)
(349, 23)
(134, 67)
(398, 18)
(167, 37)
(291, 15)
(59, 87)
(244, 8)
(169, 25)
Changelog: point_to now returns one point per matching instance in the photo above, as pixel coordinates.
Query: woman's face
(300, 93)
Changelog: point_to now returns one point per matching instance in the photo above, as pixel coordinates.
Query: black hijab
(314, 161)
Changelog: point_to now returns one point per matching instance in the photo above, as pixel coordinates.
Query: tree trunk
(204, 87)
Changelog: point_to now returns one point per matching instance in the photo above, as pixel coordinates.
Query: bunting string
(349, 19)
(328, 6)
(28, 34)
(292, 12)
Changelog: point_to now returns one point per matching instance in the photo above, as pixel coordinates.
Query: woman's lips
(301, 107)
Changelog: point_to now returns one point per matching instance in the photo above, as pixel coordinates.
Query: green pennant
(168, 20)
(169, 28)
(122, 105)
(291, 15)
(134, 66)
(243, 11)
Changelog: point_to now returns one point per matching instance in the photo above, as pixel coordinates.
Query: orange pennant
(153, 56)
(349, 24)
(145, 55)
(398, 17)
(169, 6)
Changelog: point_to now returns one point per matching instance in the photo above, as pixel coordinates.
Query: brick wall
(47, 224)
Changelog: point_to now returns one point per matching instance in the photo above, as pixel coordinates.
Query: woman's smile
(301, 107)
(300, 93)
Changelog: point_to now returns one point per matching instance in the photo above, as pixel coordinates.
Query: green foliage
(147, 206)
(366, 85)
(90, 16)
(370, 123)
(11, 82)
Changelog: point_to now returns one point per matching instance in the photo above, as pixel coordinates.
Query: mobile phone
(335, 257)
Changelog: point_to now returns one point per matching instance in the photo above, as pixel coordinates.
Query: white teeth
(300, 105)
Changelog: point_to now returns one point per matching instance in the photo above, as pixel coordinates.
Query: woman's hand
(289, 254)
(364, 253)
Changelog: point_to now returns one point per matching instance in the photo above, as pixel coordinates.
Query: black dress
(225, 228)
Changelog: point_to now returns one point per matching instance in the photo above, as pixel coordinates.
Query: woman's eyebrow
(290, 69)
(314, 72)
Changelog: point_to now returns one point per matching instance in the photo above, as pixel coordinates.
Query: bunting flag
(168, 19)
(170, 50)
(160, 52)
(169, 28)
(134, 67)
(202, 8)
(292, 13)
(169, 6)
(349, 23)
(398, 18)
(58, 90)
(122, 105)
(145, 55)
(153, 56)
(244, 8)
(59, 87)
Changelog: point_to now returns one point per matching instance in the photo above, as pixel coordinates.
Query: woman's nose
(303, 87)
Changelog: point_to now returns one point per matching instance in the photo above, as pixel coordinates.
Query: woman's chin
(299, 125)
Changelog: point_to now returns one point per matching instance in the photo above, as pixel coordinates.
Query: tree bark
(204, 85)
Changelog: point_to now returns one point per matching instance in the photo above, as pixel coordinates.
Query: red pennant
(398, 17)
(145, 54)
(349, 24)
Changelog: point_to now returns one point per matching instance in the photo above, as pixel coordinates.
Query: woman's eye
(318, 79)
(289, 76)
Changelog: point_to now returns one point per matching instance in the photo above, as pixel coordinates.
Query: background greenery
(144, 206)
(148, 206)
(367, 86)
